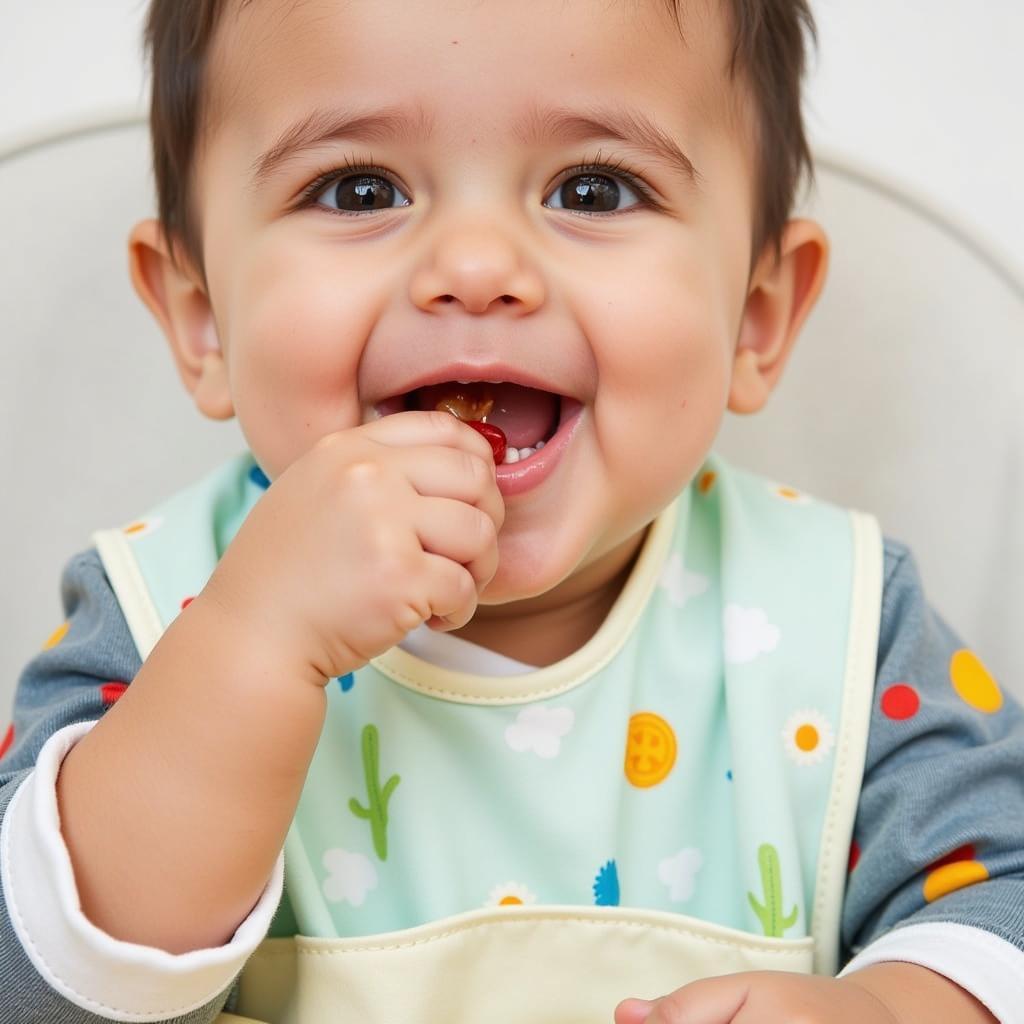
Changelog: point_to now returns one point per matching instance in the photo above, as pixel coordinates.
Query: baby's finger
(451, 593)
(406, 429)
(708, 1001)
(456, 474)
(460, 532)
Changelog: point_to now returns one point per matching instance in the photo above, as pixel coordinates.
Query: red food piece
(495, 438)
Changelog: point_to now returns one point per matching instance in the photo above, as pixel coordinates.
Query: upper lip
(490, 372)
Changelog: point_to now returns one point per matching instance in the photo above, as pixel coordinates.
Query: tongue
(524, 415)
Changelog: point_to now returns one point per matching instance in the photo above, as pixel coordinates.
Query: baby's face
(511, 220)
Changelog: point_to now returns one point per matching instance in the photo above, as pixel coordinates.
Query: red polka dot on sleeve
(900, 702)
(854, 855)
(111, 692)
(966, 852)
(8, 740)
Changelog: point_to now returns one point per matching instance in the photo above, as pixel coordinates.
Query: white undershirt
(126, 982)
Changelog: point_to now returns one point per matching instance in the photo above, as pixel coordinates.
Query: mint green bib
(700, 756)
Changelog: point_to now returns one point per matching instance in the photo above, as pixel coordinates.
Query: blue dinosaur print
(606, 886)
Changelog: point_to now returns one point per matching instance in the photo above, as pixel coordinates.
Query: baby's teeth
(518, 454)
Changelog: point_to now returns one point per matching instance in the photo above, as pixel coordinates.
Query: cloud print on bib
(748, 634)
(539, 730)
(350, 877)
(679, 873)
(679, 583)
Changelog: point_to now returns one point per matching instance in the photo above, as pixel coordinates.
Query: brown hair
(768, 48)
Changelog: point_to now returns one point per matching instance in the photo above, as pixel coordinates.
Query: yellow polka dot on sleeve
(56, 636)
(974, 683)
(950, 877)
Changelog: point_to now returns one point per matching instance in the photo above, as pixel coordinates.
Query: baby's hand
(372, 532)
(762, 997)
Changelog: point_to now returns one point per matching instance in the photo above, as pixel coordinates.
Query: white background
(930, 90)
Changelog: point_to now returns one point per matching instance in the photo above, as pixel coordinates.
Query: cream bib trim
(130, 588)
(852, 741)
(598, 917)
(466, 688)
(144, 624)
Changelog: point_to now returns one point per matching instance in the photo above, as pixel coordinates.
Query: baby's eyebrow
(330, 125)
(632, 127)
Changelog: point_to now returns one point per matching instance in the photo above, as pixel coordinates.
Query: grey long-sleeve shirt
(942, 778)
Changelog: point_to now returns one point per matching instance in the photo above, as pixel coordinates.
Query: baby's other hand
(372, 532)
(761, 997)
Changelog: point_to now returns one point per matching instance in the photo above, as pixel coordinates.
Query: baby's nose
(479, 267)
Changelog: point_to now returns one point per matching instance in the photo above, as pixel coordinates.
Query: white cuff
(119, 980)
(988, 967)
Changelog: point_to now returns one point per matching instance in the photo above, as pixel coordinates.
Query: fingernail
(634, 1011)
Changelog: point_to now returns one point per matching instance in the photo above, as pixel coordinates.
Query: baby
(555, 717)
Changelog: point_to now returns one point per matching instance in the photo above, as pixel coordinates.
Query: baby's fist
(762, 997)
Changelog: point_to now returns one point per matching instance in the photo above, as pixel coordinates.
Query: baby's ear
(177, 298)
(782, 291)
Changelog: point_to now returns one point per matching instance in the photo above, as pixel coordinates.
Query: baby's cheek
(675, 414)
(293, 377)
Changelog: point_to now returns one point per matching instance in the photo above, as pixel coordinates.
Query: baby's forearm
(915, 994)
(175, 806)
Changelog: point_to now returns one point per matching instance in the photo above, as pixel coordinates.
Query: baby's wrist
(244, 633)
(909, 992)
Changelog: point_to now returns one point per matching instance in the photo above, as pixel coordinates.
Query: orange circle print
(650, 749)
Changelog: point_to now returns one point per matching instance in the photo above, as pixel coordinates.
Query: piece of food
(494, 436)
(473, 410)
(466, 407)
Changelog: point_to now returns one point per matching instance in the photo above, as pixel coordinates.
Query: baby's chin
(510, 587)
(507, 589)
(525, 576)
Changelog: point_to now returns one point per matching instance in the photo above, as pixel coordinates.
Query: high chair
(902, 398)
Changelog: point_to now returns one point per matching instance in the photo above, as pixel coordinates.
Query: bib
(672, 801)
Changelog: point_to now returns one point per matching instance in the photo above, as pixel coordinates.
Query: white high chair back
(903, 398)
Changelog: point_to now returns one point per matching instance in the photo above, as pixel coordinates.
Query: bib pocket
(550, 965)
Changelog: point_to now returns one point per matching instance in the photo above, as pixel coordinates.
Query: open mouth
(528, 417)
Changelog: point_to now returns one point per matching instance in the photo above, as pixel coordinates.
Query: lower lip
(520, 477)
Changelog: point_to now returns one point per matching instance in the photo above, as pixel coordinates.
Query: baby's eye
(593, 193)
(359, 193)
